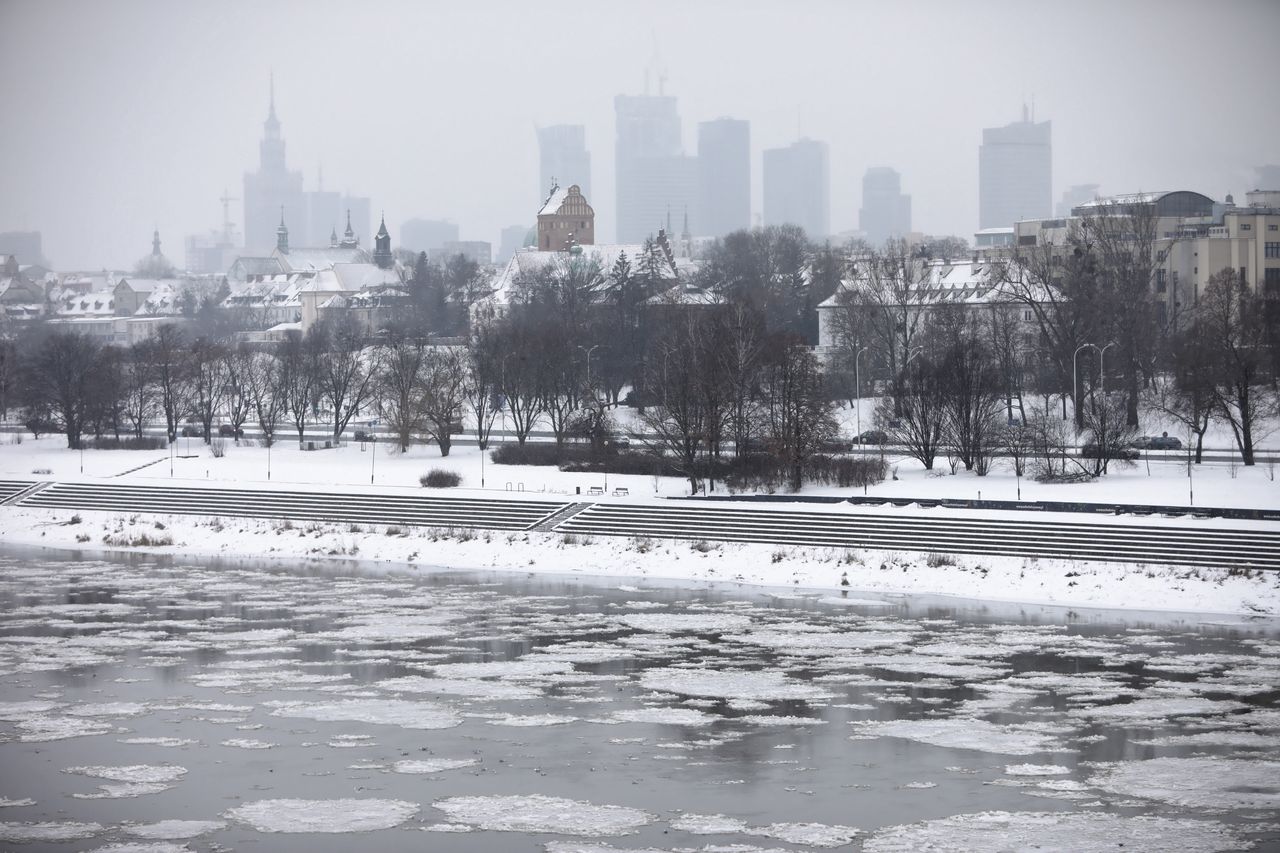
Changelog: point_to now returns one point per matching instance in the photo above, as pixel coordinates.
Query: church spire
(155, 243)
(282, 235)
(382, 246)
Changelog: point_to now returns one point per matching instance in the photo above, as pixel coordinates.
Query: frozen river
(159, 705)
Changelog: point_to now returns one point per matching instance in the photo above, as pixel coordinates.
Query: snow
(665, 716)
(716, 824)
(1033, 581)
(809, 834)
(1202, 783)
(391, 712)
(726, 684)
(685, 623)
(959, 733)
(433, 765)
(538, 813)
(1036, 769)
(998, 832)
(340, 815)
(142, 847)
(170, 829)
(48, 831)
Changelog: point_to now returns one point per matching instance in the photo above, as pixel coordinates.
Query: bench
(621, 492)
(595, 490)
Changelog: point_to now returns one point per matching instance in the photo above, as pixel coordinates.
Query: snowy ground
(166, 705)
(1011, 579)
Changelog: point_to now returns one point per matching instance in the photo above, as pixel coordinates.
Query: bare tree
(265, 381)
(799, 410)
(140, 394)
(172, 360)
(1232, 317)
(919, 423)
(971, 390)
(484, 384)
(400, 385)
(1187, 394)
(676, 423)
(1110, 436)
(345, 370)
(208, 382)
(444, 384)
(238, 366)
(299, 377)
(59, 380)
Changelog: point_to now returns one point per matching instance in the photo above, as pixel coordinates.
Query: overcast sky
(122, 116)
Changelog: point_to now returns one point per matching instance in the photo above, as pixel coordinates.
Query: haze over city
(129, 116)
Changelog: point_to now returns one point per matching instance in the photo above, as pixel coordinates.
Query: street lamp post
(270, 441)
(589, 350)
(373, 456)
(857, 390)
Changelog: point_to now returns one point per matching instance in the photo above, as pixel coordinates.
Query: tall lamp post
(857, 390)
(589, 350)
(373, 455)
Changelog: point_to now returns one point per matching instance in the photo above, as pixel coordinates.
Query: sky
(129, 115)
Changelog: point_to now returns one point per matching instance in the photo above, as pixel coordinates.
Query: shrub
(218, 448)
(439, 478)
(935, 560)
(136, 539)
(41, 471)
(147, 442)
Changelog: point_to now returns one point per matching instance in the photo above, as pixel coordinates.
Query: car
(872, 436)
(228, 431)
(618, 440)
(836, 445)
(1091, 451)
(1165, 442)
(1142, 442)
(192, 432)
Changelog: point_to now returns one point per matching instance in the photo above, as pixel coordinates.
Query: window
(1028, 316)
(1161, 286)
(1273, 250)
(1273, 227)
(1245, 226)
(1271, 284)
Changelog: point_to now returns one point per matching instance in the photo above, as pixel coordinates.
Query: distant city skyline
(156, 135)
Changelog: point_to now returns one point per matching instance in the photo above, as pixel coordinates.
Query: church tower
(382, 246)
(282, 236)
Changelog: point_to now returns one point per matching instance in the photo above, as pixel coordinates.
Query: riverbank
(835, 571)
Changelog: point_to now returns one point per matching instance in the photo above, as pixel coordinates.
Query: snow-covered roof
(145, 285)
(954, 282)
(528, 261)
(685, 294)
(98, 303)
(322, 258)
(553, 202)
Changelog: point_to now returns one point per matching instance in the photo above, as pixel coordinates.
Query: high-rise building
(797, 187)
(564, 159)
(513, 239)
(886, 212)
(427, 235)
(1015, 173)
(270, 190)
(724, 177)
(23, 245)
(654, 178)
(1074, 197)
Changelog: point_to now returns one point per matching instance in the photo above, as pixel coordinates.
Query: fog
(122, 117)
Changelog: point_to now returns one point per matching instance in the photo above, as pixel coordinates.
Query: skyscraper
(885, 212)
(1074, 197)
(1015, 173)
(654, 178)
(797, 187)
(724, 177)
(564, 159)
(271, 190)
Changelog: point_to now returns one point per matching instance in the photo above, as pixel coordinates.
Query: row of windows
(1272, 250)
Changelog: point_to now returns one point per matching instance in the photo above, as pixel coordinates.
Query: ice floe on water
(247, 743)
(433, 765)
(43, 729)
(686, 623)
(1204, 783)
(808, 834)
(1160, 709)
(708, 824)
(502, 669)
(133, 780)
(390, 712)
(532, 720)
(174, 829)
(954, 733)
(538, 813)
(731, 684)
(665, 716)
(472, 688)
(1036, 770)
(6, 803)
(1053, 832)
(158, 741)
(142, 847)
(341, 815)
(66, 830)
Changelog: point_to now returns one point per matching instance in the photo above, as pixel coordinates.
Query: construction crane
(227, 224)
